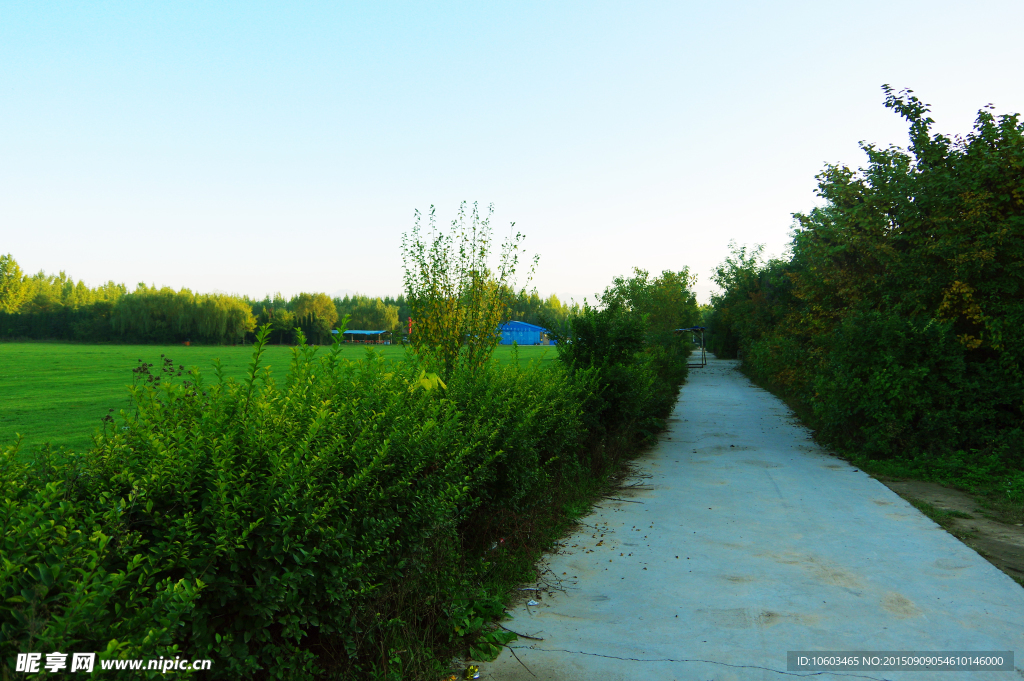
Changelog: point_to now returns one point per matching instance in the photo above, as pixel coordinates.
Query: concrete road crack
(698, 660)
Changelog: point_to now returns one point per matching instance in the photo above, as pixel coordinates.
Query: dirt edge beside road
(970, 519)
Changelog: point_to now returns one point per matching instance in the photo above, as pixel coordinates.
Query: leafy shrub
(534, 419)
(64, 574)
(889, 386)
(333, 524)
(780, 360)
(636, 381)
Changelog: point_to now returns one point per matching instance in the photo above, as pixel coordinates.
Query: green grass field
(58, 392)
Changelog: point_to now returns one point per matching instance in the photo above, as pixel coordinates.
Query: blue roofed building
(522, 333)
(377, 337)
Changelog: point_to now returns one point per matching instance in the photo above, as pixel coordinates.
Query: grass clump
(942, 517)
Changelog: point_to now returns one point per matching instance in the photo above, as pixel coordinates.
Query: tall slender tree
(12, 284)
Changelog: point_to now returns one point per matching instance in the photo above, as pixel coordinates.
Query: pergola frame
(703, 351)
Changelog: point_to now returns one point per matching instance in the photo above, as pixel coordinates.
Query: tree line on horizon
(57, 307)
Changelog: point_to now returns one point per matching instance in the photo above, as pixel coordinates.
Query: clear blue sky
(257, 147)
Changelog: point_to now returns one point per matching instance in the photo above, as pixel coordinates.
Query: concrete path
(749, 542)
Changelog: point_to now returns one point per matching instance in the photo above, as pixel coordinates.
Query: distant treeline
(898, 320)
(56, 307)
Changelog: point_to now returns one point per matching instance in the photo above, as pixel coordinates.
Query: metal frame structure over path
(703, 352)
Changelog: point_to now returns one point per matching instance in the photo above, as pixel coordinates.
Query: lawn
(58, 392)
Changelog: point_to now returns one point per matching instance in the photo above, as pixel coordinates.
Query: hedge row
(335, 524)
(897, 322)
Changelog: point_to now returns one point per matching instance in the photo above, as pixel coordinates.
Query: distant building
(522, 333)
(377, 337)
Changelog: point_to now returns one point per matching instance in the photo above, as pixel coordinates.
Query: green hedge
(334, 524)
(896, 322)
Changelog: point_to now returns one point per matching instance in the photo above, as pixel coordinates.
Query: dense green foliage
(548, 312)
(898, 320)
(343, 522)
(54, 306)
(628, 341)
(373, 313)
(58, 308)
(41, 292)
(164, 315)
(312, 314)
